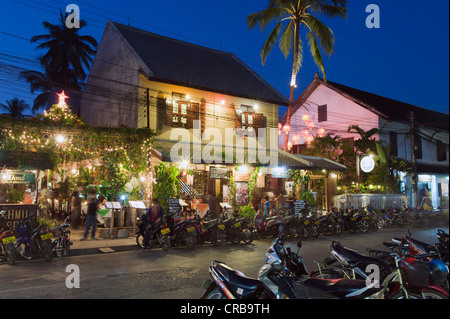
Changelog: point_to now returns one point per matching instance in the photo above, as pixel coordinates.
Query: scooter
(267, 227)
(182, 233)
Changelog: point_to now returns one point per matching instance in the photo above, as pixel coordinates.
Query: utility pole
(148, 107)
(413, 158)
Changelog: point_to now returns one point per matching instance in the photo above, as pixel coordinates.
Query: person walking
(91, 216)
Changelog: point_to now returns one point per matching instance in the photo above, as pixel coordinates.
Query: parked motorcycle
(182, 233)
(212, 231)
(61, 244)
(283, 276)
(34, 239)
(158, 234)
(399, 277)
(267, 227)
(7, 240)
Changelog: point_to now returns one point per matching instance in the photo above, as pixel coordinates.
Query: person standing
(75, 207)
(91, 216)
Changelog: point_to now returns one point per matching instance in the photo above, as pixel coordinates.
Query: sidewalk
(100, 246)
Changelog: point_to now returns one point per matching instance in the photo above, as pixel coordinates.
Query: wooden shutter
(203, 114)
(258, 120)
(237, 120)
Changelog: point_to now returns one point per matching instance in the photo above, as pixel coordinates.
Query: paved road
(154, 274)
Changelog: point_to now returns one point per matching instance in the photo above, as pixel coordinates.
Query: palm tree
(46, 83)
(15, 107)
(290, 16)
(69, 55)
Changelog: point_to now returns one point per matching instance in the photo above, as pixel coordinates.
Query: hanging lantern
(286, 128)
(280, 126)
(321, 132)
(305, 132)
(296, 138)
(306, 117)
(289, 145)
(309, 138)
(310, 125)
(279, 132)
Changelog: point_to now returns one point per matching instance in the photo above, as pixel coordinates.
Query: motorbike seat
(354, 258)
(340, 287)
(237, 278)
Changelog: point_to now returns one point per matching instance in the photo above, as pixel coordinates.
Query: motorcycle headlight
(263, 270)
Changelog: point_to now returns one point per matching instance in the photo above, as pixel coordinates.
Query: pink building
(334, 107)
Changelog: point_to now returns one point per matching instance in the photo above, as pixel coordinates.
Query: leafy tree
(290, 16)
(15, 107)
(67, 58)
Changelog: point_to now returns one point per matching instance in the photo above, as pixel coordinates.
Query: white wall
(342, 113)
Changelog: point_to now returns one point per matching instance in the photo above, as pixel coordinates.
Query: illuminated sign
(367, 164)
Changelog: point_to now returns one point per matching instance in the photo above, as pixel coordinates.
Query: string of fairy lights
(74, 145)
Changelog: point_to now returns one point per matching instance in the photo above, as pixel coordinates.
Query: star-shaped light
(62, 98)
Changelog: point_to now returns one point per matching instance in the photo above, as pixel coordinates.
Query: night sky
(407, 59)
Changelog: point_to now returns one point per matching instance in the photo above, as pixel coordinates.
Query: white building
(334, 107)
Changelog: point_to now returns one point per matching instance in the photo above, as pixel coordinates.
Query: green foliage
(248, 211)
(309, 199)
(167, 184)
(15, 195)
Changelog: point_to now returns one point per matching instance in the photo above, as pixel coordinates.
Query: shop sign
(217, 172)
(367, 164)
(15, 213)
(16, 177)
(280, 172)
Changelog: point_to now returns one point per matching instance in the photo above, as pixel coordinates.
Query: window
(393, 142)
(441, 151)
(322, 113)
(248, 120)
(180, 112)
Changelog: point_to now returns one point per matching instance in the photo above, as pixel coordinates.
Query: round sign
(367, 164)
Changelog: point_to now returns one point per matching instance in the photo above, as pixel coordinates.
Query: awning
(320, 163)
(285, 159)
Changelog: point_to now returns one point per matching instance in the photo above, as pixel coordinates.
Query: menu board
(174, 205)
(217, 172)
(299, 206)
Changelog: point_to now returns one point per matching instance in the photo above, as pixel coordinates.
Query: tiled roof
(182, 63)
(386, 108)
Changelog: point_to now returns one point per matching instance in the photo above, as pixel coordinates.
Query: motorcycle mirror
(299, 243)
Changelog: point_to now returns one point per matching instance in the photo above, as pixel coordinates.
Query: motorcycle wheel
(58, 248)
(140, 241)
(215, 294)
(432, 294)
(164, 242)
(337, 229)
(218, 237)
(381, 224)
(314, 232)
(363, 226)
(292, 232)
(247, 236)
(21, 250)
(303, 232)
(46, 250)
(11, 254)
(190, 241)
